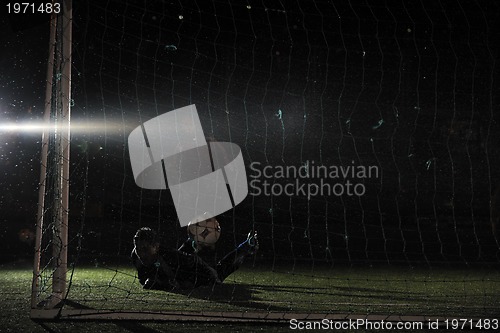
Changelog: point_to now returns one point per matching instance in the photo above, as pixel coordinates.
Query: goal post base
(54, 301)
(215, 316)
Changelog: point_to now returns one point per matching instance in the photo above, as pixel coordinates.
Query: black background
(409, 86)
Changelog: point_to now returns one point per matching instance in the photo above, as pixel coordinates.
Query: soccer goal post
(49, 275)
(366, 133)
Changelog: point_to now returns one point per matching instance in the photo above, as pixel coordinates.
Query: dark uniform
(183, 270)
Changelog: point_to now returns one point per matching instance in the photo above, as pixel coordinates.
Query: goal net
(368, 136)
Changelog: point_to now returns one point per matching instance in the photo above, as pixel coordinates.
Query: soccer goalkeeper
(166, 269)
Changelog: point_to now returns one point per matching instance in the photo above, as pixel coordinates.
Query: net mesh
(309, 90)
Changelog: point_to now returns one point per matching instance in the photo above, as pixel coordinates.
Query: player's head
(146, 245)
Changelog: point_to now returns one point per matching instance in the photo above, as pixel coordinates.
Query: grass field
(443, 292)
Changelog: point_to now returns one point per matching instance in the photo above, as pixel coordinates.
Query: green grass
(463, 293)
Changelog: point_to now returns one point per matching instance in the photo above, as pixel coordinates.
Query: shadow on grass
(246, 295)
(336, 293)
(240, 294)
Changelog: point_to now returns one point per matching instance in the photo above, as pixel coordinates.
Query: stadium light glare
(75, 127)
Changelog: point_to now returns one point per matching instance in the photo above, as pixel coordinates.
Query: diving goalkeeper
(167, 268)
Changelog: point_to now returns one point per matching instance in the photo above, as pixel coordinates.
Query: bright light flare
(75, 127)
(20, 127)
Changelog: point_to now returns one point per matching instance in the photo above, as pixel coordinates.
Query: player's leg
(192, 271)
(232, 261)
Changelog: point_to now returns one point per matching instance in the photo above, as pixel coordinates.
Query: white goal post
(55, 162)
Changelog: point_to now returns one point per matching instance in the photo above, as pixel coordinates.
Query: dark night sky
(22, 85)
(410, 86)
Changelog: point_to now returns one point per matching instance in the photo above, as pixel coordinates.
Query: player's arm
(151, 277)
(166, 274)
(142, 273)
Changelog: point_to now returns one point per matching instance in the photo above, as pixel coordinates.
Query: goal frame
(57, 306)
(58, 107)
